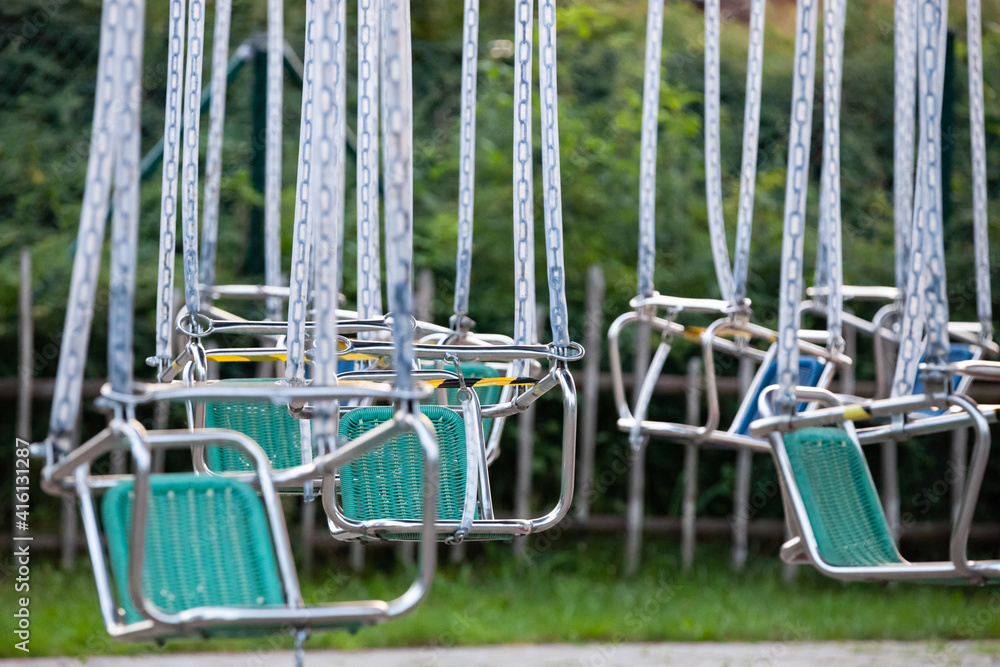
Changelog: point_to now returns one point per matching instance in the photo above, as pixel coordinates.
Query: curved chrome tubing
(711, 340)
(803, 545)
(345, 528)
(73, 472)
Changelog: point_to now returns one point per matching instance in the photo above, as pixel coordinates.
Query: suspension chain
(926, 297)
(192, 127)
(796, 191)
(397, 128)
(329, 100)
(369, 280)
(647, 158)
(90, 239)
(551, 178)
(829, 258)
(904, 119)
(302, 241)
(272, 152)
(466, 162)
(524, 259)
(213, 155)
(125, 218)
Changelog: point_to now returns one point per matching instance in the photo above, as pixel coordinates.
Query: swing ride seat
(810, 371)
(387, 483)
(268, 424)
(840, 499)
(207, 544)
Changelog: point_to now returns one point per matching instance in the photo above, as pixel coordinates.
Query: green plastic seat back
(488, 395)
(387, 482)
(207, 543)
(840, 498)
(267, 424)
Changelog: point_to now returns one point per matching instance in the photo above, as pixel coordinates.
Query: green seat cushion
(387, 482)
(488, 395)
(268, 424)
(840, 498)
(207, 543)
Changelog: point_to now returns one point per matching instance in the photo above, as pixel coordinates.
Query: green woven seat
(840, 498)
(207, 543)
(268, 424)
(387, 482)
(488, 395)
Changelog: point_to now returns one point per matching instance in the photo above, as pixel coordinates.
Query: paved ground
(766, 654)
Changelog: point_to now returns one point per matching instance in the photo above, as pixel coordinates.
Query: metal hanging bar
(90, 239)
(977, 130)
(302, 232)
(466, 164)
(192, 126)
(327, 203)
(732, 283)
(524, 222)
(796, 192)
(213, 154)
(397, 129)
(369, 268)
(751, 139)
(272, 152)
(647, 159)
(904, 120)
(168, 193)
(125, 220)
(551, 178)
(829, 252)
(926, 301)
(713, 166)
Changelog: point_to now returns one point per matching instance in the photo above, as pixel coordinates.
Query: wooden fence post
(637, 461)
(741, 490)
(690, 504)
(593, 335)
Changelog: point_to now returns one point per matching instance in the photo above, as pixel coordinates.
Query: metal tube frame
(803, 545)
(73, 472)
(559, 375)
(734, 323)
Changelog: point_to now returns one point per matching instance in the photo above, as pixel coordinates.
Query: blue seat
(810, 369)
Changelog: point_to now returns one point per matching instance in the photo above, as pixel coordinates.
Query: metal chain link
(90, 238)
(751, 139)
(302, 237)
(713, 159)
(327, 203)
(524, 256)
(272, 152)
(192, 126)
(977, 122)
(213, 154)
(169, 183)
(829, 257)
(796, 192)
(397, 129)
(125, 218)
(647, 157)
(904, 119)
(926, 297)
(732, 281)
(466, 162)
(369, 265)
(551, 178)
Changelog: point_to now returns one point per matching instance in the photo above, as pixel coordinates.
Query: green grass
(570, 593)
